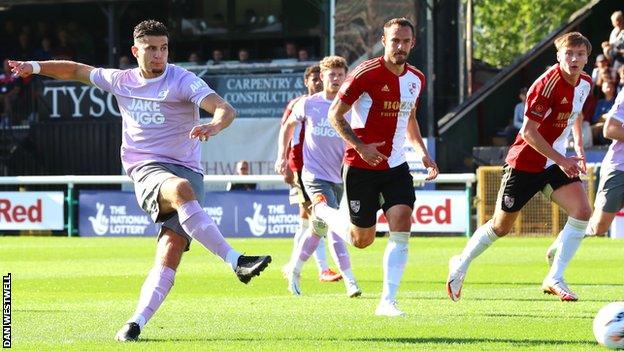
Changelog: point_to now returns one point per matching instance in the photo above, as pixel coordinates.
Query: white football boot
(389, 309)
(455, 279)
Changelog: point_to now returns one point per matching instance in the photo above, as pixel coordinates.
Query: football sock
(571, 237)
(200, 226)
(153, 292)
(394, 260)
(482, 238)
(305, 250)
(303, 225)
(340, 255)
(336, 221)
(320, 256)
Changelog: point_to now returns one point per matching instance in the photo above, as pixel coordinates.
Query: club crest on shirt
(508, 201)
(354, 205)
(412, 88)
(163, 93)
(539, 110)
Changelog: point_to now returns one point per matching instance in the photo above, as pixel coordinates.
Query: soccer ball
(609, 325)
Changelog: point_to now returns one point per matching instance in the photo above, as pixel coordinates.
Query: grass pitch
(75, 293)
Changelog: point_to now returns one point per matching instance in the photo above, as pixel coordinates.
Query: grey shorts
(147, 182)
(610, 194)
(332, 191)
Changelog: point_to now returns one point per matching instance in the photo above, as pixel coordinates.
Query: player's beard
(158, 70)
(400, 60)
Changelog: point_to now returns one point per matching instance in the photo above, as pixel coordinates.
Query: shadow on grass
(517, 284)
(398, 340)
(538, 297)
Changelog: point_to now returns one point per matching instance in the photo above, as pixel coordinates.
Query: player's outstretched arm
(415, 139)
(222, 116)
(57, 69)
(368, 152)
(613, 129)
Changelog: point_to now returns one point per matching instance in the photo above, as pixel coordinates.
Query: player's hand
(204, 131)
(432, 167)
(289, 177)
(20, 68)
(281, 165)
(570, 166)
(370, 154)
(582, 163)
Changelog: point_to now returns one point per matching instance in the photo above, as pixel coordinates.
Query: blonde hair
(573, 39)
(330, 62)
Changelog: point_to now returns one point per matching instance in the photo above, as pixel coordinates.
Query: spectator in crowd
(124, 62)
(217, 57)
(23, 51)
(620, 79)
(195, 58)
(606, 75)
(243, 56)
(614, 48)
(303, 55)
(518, 117)
(44, 52)
(64, 50)
(10, 87)
(42, 31)
(290, 50)
(601, 65)
(242, 168)
(8, 36)
(82, 42)
(602, 107)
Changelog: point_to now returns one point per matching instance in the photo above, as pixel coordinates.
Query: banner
(251, 139)
(258, 95)
(435, 212)
(237, 213)
(252, 95)
(66, 99)
(30, 210)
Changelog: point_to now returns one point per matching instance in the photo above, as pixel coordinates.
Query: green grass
(75, 293)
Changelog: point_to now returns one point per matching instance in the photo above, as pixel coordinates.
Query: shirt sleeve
(194, 89)
(351, 89)
(288, 110)
(538, 101)
(298, 111)
(104, 78)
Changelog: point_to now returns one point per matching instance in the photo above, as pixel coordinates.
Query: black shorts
(369, 190)
(518, 187)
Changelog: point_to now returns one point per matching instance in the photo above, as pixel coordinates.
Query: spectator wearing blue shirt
(602, 107)
(516, 124)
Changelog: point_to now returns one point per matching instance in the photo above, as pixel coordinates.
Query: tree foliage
(505, 29)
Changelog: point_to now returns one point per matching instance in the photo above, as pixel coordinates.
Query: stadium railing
(71, 180)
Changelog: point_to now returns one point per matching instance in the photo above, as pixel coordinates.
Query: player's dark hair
(151, 28)
(311, 70)
(573, 39)
(401, 22)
